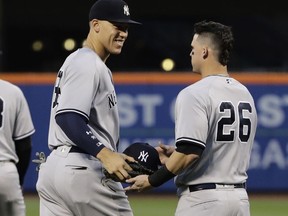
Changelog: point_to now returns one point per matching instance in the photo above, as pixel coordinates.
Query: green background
(164, 205)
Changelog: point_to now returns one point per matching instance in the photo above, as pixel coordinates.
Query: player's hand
(115, 163)
(138, 183)
(164, 152)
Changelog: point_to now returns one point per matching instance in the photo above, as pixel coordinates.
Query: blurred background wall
(146, 110)
(33, 33)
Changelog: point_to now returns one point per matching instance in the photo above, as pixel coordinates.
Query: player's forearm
(23, 151)
(174, 165)
(179, 161)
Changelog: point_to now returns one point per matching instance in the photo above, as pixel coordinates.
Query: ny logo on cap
(143, 156)
(126, 10)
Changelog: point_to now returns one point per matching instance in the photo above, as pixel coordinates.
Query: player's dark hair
(221, 36)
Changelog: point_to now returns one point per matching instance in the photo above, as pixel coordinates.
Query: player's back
(13, 108)
(8, 110)
(232, 120)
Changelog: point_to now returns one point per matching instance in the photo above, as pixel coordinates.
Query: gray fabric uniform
(73, 183)
(217, 113)
(15, 124)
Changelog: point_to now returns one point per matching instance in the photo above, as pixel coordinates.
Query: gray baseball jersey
(15, 124)
(84, 75)
(74, 183)
(217, 113)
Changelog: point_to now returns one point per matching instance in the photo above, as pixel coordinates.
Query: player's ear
(205, 52)
(95, 25)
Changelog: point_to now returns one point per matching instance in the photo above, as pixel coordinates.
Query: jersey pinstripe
(15, 119)
(218, 114)
(84, 75)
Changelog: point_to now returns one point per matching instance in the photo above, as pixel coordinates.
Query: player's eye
(192, 50)
(121, 27)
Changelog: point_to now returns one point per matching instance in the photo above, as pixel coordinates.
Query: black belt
(3, 161)
(77, 150)
(207, 186)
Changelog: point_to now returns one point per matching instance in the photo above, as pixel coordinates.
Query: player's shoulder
(10, 92)
(202, 88)
(87, 56)
(8, 86)
(189, 92)
(196, 88)
(211, 82)
(84, 59)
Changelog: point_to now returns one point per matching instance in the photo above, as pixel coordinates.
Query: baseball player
(84, 125)
(215, 125)
(16, 129)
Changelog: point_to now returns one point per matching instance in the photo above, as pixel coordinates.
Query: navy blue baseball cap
(145, 154)
(112, 11)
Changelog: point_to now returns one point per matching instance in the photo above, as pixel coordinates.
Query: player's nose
(123, 34)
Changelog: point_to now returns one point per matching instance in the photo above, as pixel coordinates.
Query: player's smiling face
(113, 36)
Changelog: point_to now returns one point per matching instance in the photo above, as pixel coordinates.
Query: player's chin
(116, 48)
(116, 51)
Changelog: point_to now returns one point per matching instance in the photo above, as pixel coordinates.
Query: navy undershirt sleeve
(186, 147)
(76, 129)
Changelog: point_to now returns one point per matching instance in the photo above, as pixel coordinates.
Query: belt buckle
(225, 186)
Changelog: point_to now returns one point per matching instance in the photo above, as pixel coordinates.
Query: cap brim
(126, 22)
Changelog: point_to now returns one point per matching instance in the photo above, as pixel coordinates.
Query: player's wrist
(102, 151)
(160, 176)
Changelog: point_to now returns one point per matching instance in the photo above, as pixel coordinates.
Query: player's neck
(98, 50)
(215, 73)
(218, 70)
(218, 74)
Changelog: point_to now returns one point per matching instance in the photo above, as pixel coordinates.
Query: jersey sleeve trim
(194, 142)
(24, 135)
(74, 111)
